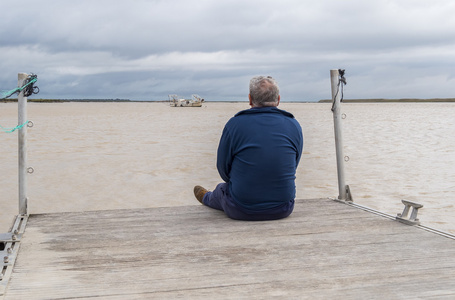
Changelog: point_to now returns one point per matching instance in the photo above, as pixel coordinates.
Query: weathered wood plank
(325, 249)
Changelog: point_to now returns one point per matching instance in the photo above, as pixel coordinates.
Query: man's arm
(299, 147)
(224, 156)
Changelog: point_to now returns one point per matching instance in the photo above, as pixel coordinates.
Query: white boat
(176, 101)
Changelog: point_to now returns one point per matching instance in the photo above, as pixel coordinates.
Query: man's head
(264, 91)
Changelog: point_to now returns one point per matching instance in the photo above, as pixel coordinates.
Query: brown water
(91, 156)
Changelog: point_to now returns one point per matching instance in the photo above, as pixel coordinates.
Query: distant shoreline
(391, 100)
(379, 100)
(73, 100)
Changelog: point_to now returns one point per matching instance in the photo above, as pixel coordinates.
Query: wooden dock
(324, 250)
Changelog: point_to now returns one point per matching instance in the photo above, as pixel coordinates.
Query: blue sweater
(258, 155)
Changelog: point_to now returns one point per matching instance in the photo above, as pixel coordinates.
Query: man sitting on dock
(257, 157)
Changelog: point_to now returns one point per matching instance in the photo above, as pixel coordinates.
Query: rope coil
(27, 87)
(341, 82)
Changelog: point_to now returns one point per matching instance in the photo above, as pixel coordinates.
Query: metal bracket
(348, 194)
(11, 237)
(403, 217)
(9, 250)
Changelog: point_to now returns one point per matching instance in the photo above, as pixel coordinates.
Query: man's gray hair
(264, 91)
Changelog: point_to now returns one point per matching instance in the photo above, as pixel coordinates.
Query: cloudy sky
(147, 49)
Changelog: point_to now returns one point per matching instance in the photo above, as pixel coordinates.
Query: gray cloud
(148, 49)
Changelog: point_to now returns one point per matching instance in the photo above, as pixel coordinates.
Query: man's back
(258, 155)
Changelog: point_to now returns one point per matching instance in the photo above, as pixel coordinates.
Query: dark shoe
(199, 192)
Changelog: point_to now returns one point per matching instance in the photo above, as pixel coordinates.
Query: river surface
(92, 156)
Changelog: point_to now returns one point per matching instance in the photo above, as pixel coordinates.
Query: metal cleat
(403, 217)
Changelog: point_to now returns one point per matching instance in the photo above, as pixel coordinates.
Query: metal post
(22, 134)
(336, 96)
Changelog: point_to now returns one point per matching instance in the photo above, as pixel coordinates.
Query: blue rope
(9, 130)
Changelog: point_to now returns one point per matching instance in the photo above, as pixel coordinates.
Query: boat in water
(176, 101)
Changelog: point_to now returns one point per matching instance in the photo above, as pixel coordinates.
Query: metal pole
(22, 134)
(336, 97)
